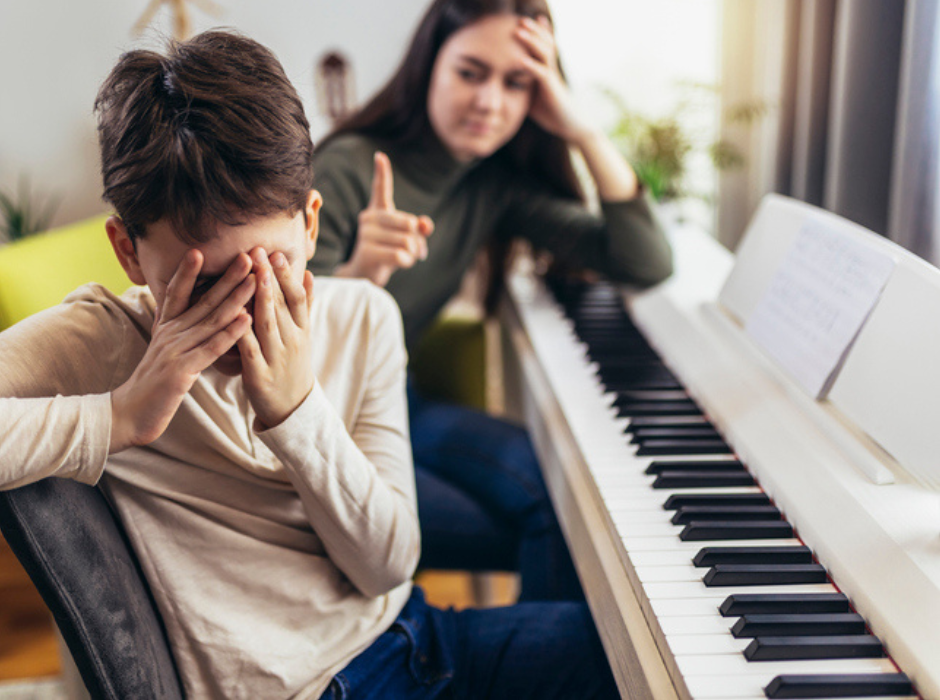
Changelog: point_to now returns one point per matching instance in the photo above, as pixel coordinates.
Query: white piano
(850, 473)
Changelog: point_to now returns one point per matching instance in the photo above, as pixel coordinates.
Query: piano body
(841, 470)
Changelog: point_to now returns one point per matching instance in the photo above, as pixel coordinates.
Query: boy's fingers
(294, 295)
(205, 305)
(308, 290)
(180, 287)
(221, 316)
(382, 186)
(265, 316)
(219, 343)
(250, 351)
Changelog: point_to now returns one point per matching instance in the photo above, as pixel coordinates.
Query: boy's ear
(312, 220)
(124, 249)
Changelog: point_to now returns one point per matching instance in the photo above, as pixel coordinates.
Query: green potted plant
(660, 148)
(21, 215)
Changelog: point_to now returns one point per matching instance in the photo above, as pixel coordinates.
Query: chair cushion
(449, 362)
(68, 540)
(40, 271)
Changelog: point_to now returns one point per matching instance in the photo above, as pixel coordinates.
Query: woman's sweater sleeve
(625, 242)
(357, 486)
(342, 176)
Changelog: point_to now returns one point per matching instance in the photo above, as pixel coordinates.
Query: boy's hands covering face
(185, 341)
(276, 354)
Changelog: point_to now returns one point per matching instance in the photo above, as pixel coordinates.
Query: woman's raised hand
(553, 107)
(388, 239)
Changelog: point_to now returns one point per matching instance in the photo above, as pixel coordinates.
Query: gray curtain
(855, 86)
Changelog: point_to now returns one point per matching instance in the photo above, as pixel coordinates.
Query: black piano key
(710, 556)
(615, 352)
(678, 500)
(709, 479)
(660, 447)
(861, 646)
(638, 380)
(849, 685)
(641, 422)
(799, 625)
(778, 603)
(663, 466)
(658, 408)
(624, 355)
(652, 395)
(629, 397)
(685, 432)
(699, 531)
(687, 514)
(764, 575)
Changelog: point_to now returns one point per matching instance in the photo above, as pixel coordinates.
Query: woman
(468, 145)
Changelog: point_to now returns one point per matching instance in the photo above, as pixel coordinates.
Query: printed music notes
(817, 302)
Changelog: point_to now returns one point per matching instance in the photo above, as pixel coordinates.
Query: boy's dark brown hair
(213, 131)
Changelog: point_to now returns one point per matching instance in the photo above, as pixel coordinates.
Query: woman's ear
(124, 249)
(312, 221)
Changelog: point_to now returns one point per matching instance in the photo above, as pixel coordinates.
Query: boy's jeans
(530, 650)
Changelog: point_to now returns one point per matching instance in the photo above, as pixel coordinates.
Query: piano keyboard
(738, 604)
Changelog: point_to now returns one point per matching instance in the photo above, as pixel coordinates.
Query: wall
(55, 53)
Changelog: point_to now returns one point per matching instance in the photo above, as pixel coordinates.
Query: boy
(249, 427)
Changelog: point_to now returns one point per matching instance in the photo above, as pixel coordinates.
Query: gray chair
(76, 553)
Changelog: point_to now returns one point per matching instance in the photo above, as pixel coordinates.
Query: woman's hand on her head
(553, 107)
(277, 352)
(186, 339)
(388, 239)
(554, 110)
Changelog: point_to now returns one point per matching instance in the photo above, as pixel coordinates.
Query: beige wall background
(55, 53)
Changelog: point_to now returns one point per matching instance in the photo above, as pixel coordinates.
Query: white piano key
(672, 557)
(697, 590)
(689, 607)
(738, 665)
(706, 644)
(626, 528)
(698, 624)
(626, 484)
(642, 516)
(713, 688)
(635, 543)
(631, 502)
(666, 574)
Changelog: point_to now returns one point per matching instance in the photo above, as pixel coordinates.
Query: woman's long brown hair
(398, 112)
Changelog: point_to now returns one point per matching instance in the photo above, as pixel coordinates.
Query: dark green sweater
(469, 203)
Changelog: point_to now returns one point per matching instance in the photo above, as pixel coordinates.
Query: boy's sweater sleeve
(56, 371)
(357, 486)
(64, 436)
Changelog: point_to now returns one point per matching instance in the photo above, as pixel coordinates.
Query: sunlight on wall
(644, 51)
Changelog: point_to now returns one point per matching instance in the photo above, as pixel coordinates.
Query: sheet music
(817, 302)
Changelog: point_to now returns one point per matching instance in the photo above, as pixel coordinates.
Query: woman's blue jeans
(482, 503)
(529, 650)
